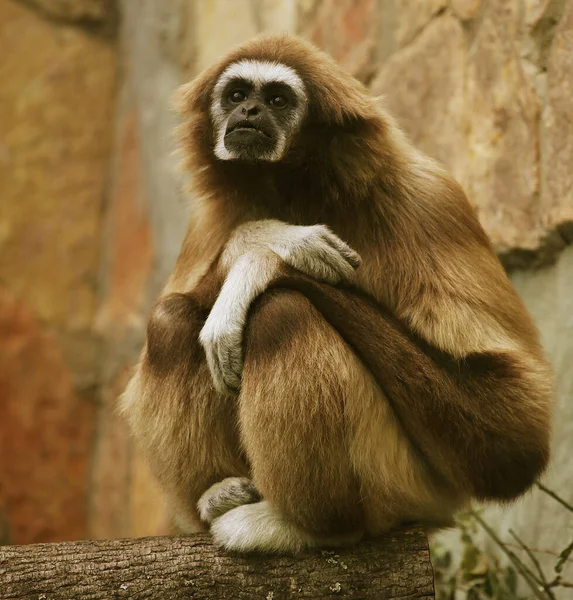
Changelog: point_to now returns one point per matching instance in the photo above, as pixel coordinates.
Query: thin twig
(543, 580)
(538, 550)
(530, 577)
(479, 592)
(563, 557)
(555, 496)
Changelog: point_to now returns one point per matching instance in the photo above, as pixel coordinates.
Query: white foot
(226, 495)
(261, 528)
(257, 527)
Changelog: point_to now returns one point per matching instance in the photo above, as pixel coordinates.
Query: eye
(237, 96)
(278, 101)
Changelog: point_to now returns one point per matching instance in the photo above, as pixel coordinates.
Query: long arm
(251, 259)
(450, 342)
(481, 422)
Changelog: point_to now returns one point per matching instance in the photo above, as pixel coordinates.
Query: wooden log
(165, 568)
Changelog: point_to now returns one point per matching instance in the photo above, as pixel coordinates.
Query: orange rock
(423, 87)
(109, 494)
(57, 102)
(77, 10)
(347, 30)
(45, 433)
(129, 244)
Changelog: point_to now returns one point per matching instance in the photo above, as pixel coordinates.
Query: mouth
(246, 127)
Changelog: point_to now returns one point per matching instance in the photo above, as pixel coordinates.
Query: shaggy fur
(398, 398)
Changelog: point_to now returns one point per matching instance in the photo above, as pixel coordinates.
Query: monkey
(338, 351)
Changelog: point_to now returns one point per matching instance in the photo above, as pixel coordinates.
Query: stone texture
(5, 536)
(56, 106)
(109, 492)
(56, 109)
(152, 32)
(148, 510)
(278, 15)
(466, 9)
(76, 10)
(502, 177)
(127, 267)
(128, 249)
(471, 96)
(540, 19)
(535, 10)
(346, 29)
(213, 15)
(412, 16)
(423, 89)
(82, 353)
(557, 133)
(46, 433)
(200, 19)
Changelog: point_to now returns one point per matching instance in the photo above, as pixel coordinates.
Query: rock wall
(95, 213)
(57, 104)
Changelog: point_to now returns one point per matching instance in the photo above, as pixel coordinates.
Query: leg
(186, 429)
(292, 406)
(326, 451)
(225, 495)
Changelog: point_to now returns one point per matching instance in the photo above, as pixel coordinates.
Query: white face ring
(258, 73)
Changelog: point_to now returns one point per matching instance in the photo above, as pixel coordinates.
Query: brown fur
(400, 399)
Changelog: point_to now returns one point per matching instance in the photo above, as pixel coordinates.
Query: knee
(276, 320)
(173, 330)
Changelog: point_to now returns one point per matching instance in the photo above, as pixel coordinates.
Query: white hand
(222, 339)
(222, 334)
(316, 252)
(313, 250)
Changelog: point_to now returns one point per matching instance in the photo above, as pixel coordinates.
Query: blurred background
(92, 214)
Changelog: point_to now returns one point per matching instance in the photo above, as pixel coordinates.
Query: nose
(251, 108)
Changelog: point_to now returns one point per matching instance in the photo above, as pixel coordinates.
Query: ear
(336, 98)
(195, 96)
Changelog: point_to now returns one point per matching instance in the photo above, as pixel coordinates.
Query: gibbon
(338, 350)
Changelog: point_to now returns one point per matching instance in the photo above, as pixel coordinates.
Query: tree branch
(395, 566)
(555, 496)
(523, 569)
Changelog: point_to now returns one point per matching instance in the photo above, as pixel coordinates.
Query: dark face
(255, 120)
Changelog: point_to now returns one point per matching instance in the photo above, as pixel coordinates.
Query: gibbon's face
(257, 108)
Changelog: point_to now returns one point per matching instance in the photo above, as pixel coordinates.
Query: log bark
(165, 568)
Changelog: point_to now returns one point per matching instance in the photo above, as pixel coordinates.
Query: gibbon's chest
(304, 197)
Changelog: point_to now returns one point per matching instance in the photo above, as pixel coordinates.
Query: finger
(222, 386)
(234, 366)
(323, 264)
(213, 363)
(219, 381)
(318, 259)
(230, 380)
(336, 261)
(344, 249)
(306, 260)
